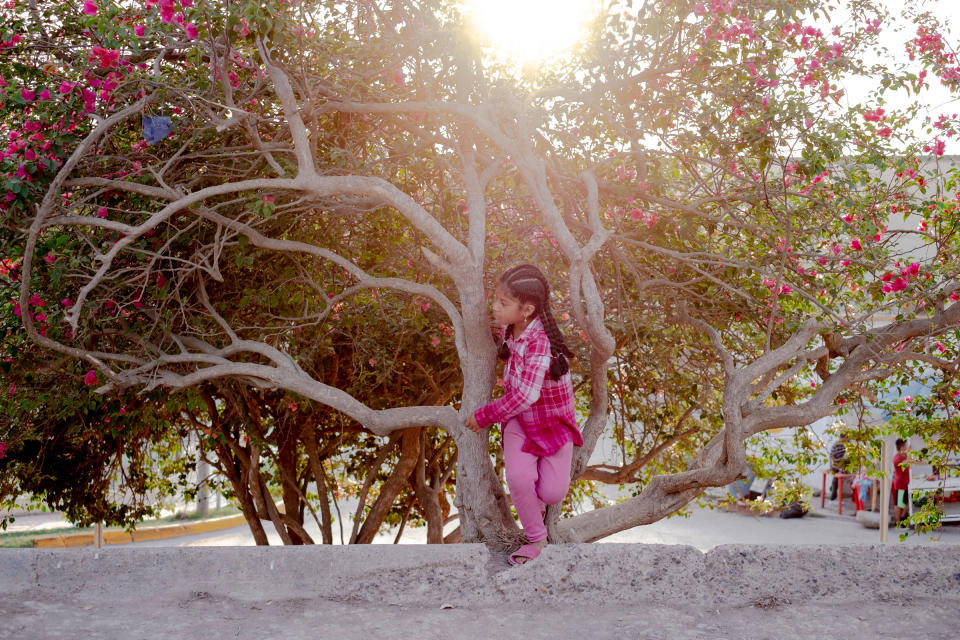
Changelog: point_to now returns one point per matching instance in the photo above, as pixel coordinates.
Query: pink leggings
(534, 481)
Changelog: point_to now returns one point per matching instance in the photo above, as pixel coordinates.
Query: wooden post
(884, 489)
(98, 535)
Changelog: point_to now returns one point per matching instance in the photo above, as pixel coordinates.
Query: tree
(690, 170)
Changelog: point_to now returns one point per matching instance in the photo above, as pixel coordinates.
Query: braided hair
(527, 284)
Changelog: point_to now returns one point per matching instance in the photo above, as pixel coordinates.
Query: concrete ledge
(468, 575)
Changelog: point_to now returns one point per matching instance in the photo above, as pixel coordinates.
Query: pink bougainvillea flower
(855, 244)
(50, 258)
(91, 378)
(44, 95)
(3, 445)
(67, 302)
(940, 347)
(908, 398)
(106, 57)
(28, 95)
(186, 4)
(191, 29)
(90, 7)
(884, 132)
(161, 280)
(435, 341)
(65, 87)
(139, 29)
(101, 212)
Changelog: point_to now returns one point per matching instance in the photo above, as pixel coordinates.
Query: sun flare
(530, 30)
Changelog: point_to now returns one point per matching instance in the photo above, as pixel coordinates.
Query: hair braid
(558, 347)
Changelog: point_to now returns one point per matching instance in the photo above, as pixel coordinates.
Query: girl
(536, 411)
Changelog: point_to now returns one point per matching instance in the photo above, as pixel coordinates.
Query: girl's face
(509, 310)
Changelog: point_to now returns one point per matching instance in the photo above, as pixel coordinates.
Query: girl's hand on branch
(472, 424)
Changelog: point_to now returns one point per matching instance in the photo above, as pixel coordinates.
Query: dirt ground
(35, 615)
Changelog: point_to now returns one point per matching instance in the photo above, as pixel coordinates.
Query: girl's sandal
(527, 552)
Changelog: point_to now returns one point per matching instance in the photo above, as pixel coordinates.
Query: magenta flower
(139, 29)
(855, 244)
(91, 378)
(3, 445)
(67, 302)
(90, 7)
(65, 87)
(192, 32)
(28, 95)
(45, 95)
(101, 212)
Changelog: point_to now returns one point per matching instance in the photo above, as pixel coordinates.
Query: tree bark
(287, 466)
(320, 477)
(409, 452)
(429, 497)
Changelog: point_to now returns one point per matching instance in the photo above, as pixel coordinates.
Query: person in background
(900, 488)
(838, 460)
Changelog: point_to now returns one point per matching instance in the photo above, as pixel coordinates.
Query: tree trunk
(262, 497)
(484, 513)
(409, 453)
(429, 497)
(287, 466)
(237, 478)
(316, 467)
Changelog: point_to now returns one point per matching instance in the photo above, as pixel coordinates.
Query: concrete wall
(469, 575)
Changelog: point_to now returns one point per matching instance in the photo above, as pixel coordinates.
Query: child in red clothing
(536, 411)
(900, 488)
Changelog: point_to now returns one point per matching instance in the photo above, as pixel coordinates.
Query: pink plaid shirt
(543, 406)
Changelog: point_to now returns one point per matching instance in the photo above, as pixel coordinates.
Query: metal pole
(884, 489)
